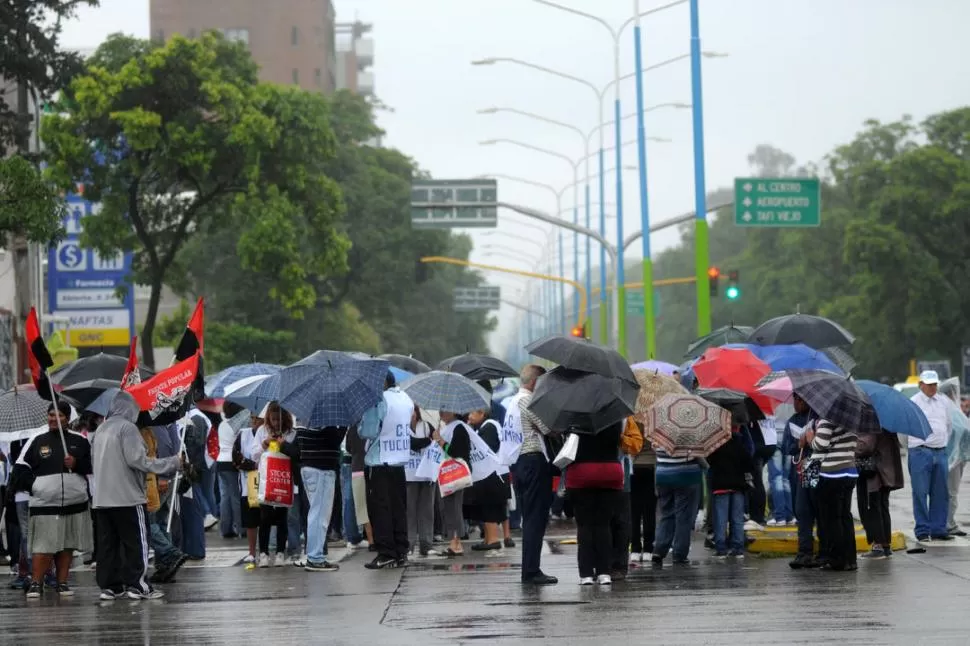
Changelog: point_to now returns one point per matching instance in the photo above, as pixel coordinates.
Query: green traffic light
(732, 292)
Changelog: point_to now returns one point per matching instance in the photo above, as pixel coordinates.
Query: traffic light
(733, 291)
(579, 331)
(714, 277)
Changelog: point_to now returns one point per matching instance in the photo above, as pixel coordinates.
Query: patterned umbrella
(447, 391)
(332, 394)
(408, 364)
(22, 409)
(652, 388)
(216, 385)
(687, 426)
(833, 397)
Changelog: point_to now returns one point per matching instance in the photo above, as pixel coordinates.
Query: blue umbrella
(796, 356)
(447, 391)
(215, 388)
(332, 394)
(400, 376)
(896, 413)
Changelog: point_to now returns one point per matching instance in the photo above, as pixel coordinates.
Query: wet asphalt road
(922, 599)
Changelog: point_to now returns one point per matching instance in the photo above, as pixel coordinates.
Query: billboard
(450, 203)
(470, 299)
(84, 286)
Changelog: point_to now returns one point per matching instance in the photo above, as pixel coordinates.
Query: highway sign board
(84, 286)
(449, 203)
(634, 302)
(471, 299)
(777, 202)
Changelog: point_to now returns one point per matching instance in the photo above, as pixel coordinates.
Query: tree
(178, 139)
(28, 205)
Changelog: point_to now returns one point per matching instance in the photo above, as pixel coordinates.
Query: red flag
(131, 376)
(168, 390)
(191, 341)
(38, 356)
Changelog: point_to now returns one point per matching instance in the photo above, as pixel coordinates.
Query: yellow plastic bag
(252, 489)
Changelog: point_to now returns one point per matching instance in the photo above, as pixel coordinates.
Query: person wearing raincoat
(957, 451)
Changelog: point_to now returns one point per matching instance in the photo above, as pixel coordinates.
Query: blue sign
(83, 285)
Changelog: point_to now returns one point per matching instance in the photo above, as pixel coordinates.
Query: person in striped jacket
(835, 446)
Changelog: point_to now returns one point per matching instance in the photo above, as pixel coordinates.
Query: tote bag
(453, 476)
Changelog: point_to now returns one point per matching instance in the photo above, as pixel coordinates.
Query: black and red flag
(167, 396)
(38, 356)
(132, 376)
(192, 343)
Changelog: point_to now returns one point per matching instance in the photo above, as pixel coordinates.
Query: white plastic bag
(567, 455)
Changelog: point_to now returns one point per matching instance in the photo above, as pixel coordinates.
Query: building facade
(355, 58)
(292, 41)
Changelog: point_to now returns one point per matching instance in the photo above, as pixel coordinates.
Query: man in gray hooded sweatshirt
(120, 463)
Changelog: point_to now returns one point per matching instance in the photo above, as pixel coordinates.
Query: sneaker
(265, 560)
(875, 554)
(64, 590)
(792, 523)
(775, 523)
(957, 532)
(495, 554)
(354, 546)
(438, 538)
(139, 595)
(34, 590)
(249, 559)
(109, 595)
(604, 579)
(50, 580)
(509, 543)
(721, 554)
(738, 554)
(943, 537)
(323, 566)
(432, 555)
(586, 580)
(210, 521)
(20, 583)
(635, 557)
(403, 562)
(381, 563)
(298, 561)
(277, 560)
(752, 526)
(923, 539)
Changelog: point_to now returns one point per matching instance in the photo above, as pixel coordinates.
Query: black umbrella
(814, 331)
(721, 336)
(98, 366)
(477, 367)
(584, 355)
(408, 364)
(582, 402)
(83, 393)
(743, 409)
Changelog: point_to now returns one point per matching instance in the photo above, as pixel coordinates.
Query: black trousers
(122, 548)
(643, 509)
(620, 528)
(757, 497)
(387, 508)
(535, 486)
(836, 530)
(594, 510)
(270, 517)
(874, 510)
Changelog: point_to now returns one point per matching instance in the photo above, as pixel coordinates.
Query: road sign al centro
(447, 203)
(777, 202)
(83, 286)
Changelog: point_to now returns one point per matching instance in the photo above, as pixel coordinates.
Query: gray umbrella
(447, 391)
(21, 408)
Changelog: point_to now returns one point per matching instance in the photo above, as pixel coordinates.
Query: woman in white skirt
(57, 481)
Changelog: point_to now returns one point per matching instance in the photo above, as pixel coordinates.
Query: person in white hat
(927, 463)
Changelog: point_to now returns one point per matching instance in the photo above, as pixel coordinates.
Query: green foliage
(889, 261)
(29, 206)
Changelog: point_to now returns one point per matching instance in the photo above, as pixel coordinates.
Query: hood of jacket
(123, 406)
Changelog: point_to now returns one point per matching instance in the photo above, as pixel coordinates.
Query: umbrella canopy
(814, 331)
(736, 369)
(719, 337)
(581, 354)
(581, 402)
(661, 367)
(687, 426)
(447, 391)
(833, 397)
(216, 386)
(98, 366)
(102, 404)
(239, 420)
(796, 356)
(83, 393)
(256, 394)
(21, 408)
(332, 394)
(408, 364)
(652, 388)
(477, 366)
(896, 413)
(327, 356)
(742, 408)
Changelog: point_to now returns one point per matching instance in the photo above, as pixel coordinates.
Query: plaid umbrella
(216, 386)
(832, 397)
(687, 426)
(408, 364)
(447, 391)
(22, 409)
(327, 356)
(332, 394)
(239, 420)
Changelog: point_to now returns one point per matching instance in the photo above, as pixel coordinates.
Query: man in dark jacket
(730, 467)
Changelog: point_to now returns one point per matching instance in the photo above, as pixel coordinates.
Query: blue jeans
(23, 519)
(351, 529)
(208, 487)
(192, 517)
(678, 510)
(927, 474)
(320, 486)
(806, 511)
(779, 468)
(230, 517)
(296, 523)
(729, 509)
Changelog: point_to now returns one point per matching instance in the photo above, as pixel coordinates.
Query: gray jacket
(120, 460)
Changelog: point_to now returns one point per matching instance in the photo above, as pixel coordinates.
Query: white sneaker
(298, 561)
(210, 521)
(792, 523)
(249, 559)
(352, 547)
(635, 557)
(604, 579)
(586, 580)
(264, 560)
(752, 526)
(495, 554)
(775, 523)
(279, 560)
(435, 555)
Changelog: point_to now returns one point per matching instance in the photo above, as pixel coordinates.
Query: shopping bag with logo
(453, 476)
(275, 479)
(252, 489)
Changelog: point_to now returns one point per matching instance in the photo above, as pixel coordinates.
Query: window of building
(295, 36)
(237, 35)
(296, 76)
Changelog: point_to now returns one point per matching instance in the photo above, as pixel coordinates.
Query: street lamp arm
(632, 19)
(675, 104)
(541, 68)
(615, 34)
(521, 144)
(537, 117)
(680, 219)
(522, 180)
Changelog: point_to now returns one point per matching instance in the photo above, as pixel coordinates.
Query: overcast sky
(801, 75)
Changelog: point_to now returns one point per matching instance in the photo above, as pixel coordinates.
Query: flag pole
(175, 482)
(60, 428)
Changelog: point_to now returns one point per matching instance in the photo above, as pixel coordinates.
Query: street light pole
(701, 253)
(649, 323)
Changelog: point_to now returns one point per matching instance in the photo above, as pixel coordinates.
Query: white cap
(929, 377)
